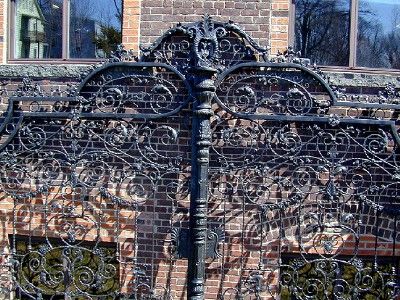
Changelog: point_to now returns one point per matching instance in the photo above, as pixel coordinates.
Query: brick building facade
(120, 186)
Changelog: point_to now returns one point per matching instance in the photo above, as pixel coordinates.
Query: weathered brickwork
(131, 24)
(159, 15)
(267, 21)
(279, 25)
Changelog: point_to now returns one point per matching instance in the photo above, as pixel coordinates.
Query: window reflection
(379, 34)
(95, 28)
(38, 29)
(322, 31)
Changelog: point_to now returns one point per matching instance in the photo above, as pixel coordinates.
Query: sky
(384, 1)
(384, 11)
(102, 10)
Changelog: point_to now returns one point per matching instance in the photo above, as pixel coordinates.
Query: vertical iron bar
(201, 141)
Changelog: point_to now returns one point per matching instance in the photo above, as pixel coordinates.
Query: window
(64, 29)
(354, 33)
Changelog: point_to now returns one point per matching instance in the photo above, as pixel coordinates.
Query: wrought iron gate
(202, 164)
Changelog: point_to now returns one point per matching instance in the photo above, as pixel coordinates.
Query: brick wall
(159, 15)
(279, 25)
(131, 24)
(267, 21)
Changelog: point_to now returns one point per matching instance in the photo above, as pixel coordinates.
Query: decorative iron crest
(207, 44)
(122, 55)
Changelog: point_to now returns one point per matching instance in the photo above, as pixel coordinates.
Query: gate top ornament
(206, 44)
(210, 41)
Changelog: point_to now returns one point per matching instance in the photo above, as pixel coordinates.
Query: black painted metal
(181, 242)
(255, 126)
(76, 166)
(201, 139)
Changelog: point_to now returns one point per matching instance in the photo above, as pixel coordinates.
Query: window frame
(353, 40)
(65, 39)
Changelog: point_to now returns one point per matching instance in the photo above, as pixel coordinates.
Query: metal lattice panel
(99, 183)
(201, 164)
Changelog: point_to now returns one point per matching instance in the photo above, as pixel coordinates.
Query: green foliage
(108, 40)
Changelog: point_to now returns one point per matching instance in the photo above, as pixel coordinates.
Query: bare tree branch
(119, 12)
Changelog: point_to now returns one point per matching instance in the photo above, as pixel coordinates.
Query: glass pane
(379, 34)
(38, 29)
(95, 28)
(322, 31)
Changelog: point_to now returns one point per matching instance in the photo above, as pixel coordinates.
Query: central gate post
(201, 141)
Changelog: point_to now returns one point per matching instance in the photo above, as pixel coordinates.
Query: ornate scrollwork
(28, 88)
(388, 94)
(62, 270)
(240, 143)
(143, 91)
(207, 44)
(316, 279)
(100, 166)
(308, 195)
(271, 90)
(290, 56)
(121, 54)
